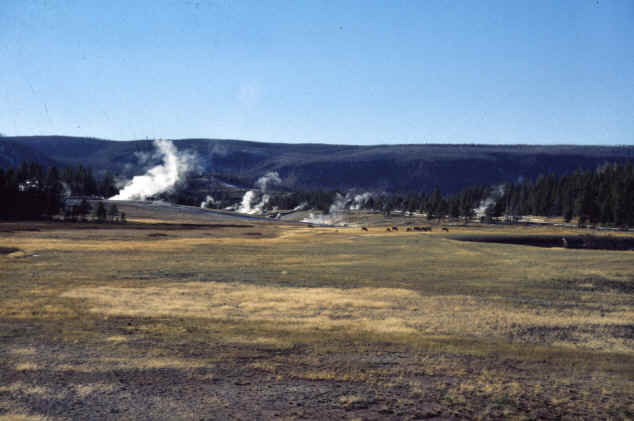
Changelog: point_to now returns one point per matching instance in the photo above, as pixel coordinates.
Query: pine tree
(54, 192)
(100, 212)
(433, 203)
(107, 188)
(113, 212)
(586, 206)
(454, 208)
(84, 209)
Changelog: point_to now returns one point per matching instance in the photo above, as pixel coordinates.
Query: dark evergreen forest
(32, 191)
(602, 196)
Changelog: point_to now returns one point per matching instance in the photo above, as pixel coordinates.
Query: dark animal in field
(445, 229)
(427, 229)
(418, 229)
(394, 228)
(388, 230)
(408, 229)
(364, 229)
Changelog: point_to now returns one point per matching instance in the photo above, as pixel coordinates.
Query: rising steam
(208, 202)
(270, 178)
(300, 207)
(338, 208)
(161, 178)
(252, 202)
(493, 197)
(359, 200)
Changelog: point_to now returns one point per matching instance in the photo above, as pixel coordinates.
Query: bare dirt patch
(595, 284)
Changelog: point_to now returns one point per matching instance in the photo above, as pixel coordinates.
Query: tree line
(605, 195)
(32, 191)
(434, 204)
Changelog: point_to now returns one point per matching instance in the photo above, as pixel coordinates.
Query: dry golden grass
(508, 323)
(379, 310)
(23, 366)
(135, 363)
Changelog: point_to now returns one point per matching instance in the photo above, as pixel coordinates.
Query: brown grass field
(199, 320)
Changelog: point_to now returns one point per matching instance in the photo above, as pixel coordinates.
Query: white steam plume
(360, 200)
(270, 178)
(68, 192)
(161, 178)
(301, 206)
(247, 205)
(497, 192)
(335, 213)
(208, 202)
(338, 208)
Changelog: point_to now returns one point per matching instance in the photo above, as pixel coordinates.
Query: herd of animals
(424, 229)
(395, 228)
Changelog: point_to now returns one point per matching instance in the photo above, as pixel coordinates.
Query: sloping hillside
(321, 166)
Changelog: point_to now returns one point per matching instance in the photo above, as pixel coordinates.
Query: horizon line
(421, 143)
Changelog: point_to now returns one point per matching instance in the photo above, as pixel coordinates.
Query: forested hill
(320, 166)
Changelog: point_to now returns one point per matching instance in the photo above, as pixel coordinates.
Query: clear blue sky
(355, 72)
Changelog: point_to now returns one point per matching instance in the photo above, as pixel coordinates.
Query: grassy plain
(282, 321)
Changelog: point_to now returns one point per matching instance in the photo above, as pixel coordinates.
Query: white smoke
(161, 178)
(495, 194)
(334, 216)
(254, 203)
(67, 190)
(247, 205)
(360, 200)
(271, 177)
(208, 202)
(301, 206)
(336, 212)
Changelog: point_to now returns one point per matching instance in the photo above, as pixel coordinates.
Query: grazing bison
(445, 229)
(364, 229)
(388, 230)
(394, 228)
(408, 229)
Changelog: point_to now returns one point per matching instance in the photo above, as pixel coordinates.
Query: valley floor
(213, 318)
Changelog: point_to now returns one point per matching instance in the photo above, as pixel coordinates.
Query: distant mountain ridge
(313, 166)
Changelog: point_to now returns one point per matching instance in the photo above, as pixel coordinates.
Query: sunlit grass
(510, 323)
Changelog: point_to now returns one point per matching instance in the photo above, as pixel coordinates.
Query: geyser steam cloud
(337, 209)
(208, 202)
(495, 194)
(271, 177)
(161, 178)
(247, 206)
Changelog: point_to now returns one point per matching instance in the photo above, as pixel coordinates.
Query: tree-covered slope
(321, 166)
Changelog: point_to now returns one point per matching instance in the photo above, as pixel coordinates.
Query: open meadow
(215, 318)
